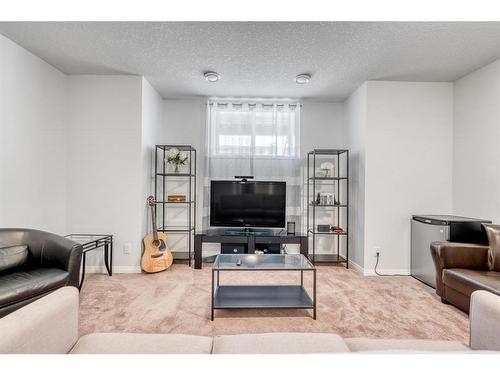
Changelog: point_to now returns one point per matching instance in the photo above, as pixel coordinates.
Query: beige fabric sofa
(50, 325)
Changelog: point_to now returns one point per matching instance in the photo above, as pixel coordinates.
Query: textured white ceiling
(261, 59)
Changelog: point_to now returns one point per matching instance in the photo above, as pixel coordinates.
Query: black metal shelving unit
(340, 210)
(162, 177)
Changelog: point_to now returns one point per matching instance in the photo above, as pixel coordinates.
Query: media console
(249, 239)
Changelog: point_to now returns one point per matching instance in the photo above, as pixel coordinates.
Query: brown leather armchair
(464, 268)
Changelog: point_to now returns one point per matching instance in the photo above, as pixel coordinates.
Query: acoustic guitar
(157, 256)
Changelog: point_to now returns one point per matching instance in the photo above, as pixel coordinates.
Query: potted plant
(176, 158)
(327, 169)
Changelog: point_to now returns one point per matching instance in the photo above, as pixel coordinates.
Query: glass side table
(92, 242)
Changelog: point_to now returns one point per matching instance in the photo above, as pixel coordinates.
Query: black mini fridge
(426, 229)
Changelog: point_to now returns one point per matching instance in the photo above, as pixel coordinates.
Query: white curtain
(259, 139)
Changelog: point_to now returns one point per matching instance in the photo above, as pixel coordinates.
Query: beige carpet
(349, 304)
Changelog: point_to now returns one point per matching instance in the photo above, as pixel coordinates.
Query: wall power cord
(383, 274)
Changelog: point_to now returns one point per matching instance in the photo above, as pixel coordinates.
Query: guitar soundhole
(159, 244)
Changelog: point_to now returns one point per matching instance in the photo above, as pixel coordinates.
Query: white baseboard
(116, 269)
(371, 272)
(356, 267)
(389, 272)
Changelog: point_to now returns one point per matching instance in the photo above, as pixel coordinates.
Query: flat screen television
(248, 204)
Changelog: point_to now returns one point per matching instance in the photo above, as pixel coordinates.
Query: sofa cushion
(13, 256)
(142, 343)
(467, 281)
(21, 285)
(361, 344)
(484, 321)
(48, 325)
(279, 343)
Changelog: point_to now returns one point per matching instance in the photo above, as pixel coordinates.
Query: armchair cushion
(468, 281)
(13, 256)
(25, 284)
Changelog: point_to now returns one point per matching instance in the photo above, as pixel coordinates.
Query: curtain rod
(210, 102)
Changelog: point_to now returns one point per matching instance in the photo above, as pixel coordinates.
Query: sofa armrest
(49, 325)
(484, 318)
(457, 255)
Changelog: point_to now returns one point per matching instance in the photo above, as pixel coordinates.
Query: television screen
(247, 204)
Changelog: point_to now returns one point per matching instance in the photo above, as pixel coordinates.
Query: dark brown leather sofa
(464, 268)
(34, 263)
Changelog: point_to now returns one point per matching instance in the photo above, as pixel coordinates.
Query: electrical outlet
(127, 248)
(378, 250)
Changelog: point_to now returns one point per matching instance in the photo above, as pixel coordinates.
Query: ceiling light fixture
(211, 76)
(302, 79)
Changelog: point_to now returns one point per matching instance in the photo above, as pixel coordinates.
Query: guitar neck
(153, 219)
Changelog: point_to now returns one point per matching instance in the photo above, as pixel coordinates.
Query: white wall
(355, 115)
(184, 124)
(476, 157)
(75, 152)
(32, 141)
(322, 125)
(409, 132)
(105, 183)
(151, 131)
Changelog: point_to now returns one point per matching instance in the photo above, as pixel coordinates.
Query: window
(254, 139)
(257, 130)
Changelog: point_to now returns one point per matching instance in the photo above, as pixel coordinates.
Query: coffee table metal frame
(262, 296)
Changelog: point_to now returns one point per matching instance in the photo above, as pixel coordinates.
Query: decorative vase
(176, 170)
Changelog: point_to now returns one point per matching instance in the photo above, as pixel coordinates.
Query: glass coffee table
(262, 296)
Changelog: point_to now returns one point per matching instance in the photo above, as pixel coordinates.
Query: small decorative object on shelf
(176, 198)
(327, 169)
(318, 199)
(335, 229)
(176, 158)
(324, 228)
(326, 199)
(327, 191)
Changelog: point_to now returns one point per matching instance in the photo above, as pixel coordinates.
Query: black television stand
(249, 238)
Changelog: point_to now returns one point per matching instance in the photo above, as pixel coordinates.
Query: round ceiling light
(211, 76)
(302, 79)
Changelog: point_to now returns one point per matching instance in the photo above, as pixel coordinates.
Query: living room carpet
(349, 304)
